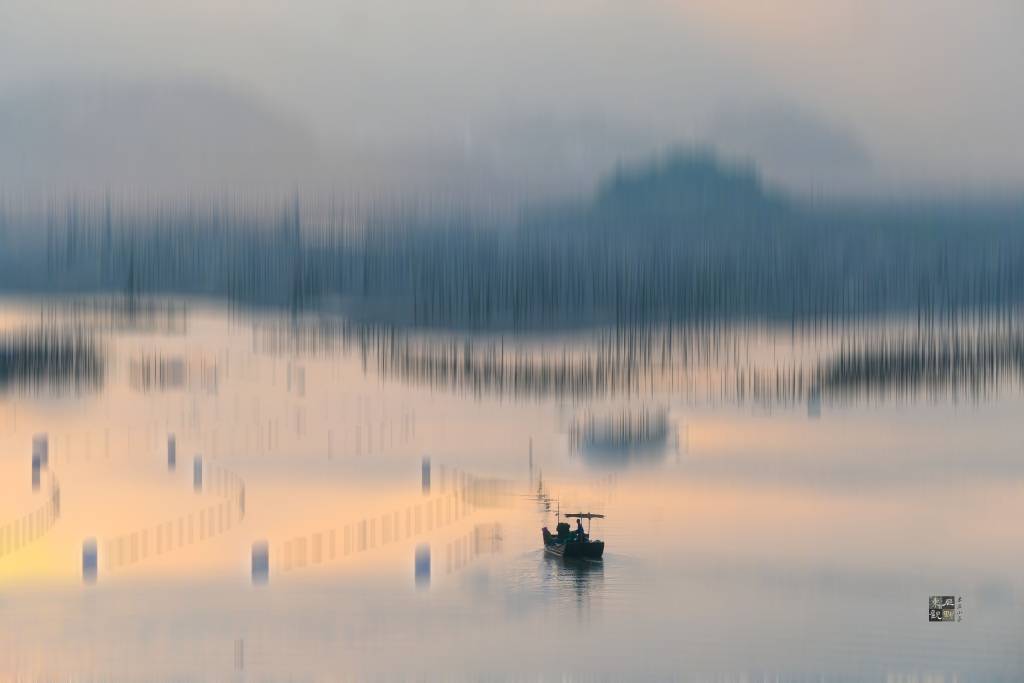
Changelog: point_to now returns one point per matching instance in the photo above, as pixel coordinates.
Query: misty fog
(484, 101)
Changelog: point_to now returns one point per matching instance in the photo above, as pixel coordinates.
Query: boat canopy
(584, 515)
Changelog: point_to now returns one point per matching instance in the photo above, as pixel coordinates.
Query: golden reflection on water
(744, 535)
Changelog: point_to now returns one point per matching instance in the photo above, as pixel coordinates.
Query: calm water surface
(748, 537)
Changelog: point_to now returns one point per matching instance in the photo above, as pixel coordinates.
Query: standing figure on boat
(580, 534)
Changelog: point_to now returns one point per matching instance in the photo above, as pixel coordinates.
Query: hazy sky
(510, 98)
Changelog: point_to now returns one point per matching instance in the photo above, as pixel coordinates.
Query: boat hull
(574, 550)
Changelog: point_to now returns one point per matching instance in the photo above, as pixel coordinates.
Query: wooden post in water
(260, 563)
(197, 473)
(172, 452)
(89, 561)
(41, 447)
(36, 467)
(423, 565)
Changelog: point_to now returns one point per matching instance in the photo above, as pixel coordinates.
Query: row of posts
(260, 563)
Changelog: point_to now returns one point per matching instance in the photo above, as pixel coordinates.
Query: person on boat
(580, 535)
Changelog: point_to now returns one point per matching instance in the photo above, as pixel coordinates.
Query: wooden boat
(569, 544)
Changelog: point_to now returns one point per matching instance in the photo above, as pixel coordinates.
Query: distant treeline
(684, 240)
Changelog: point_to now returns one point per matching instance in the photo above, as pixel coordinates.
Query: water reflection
(130, 313)
(579, 578)
(624, 436)
(180, 531)
(20, 532)
(458, 497)
(314, 485)
(863, 360)
(50, 358)
(483, 540)
(156, 372)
